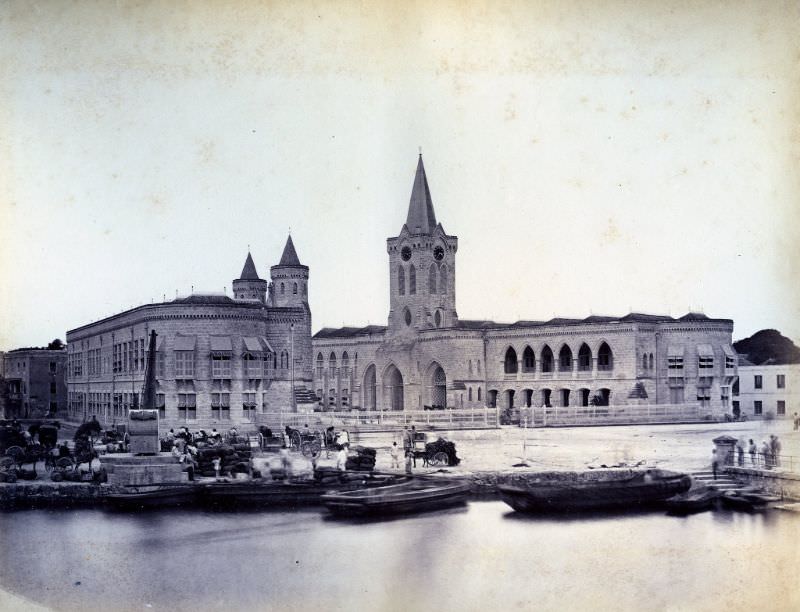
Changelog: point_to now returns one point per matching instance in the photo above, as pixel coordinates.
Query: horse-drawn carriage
(312, 443)
(437, 453)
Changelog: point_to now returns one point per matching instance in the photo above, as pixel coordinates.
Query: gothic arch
(393, 397)
(605, 357)
(584, 358)
(369, 391)
(435, 385)
(510, 361)
(547, 359)
(401, 280)
(412, 280)
(432, 279)
(565, 359)
(528, 360)
(443, 279)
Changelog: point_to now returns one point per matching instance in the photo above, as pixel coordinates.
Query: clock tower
(422, 267)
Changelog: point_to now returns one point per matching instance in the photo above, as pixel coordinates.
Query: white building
(767, 390)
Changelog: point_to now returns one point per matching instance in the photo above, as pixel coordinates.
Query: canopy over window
(251, 345)
(674, 351)
(728, 350)
(185, 343)
(267, 346)
(221, 344)
(705, 350)
(159, 345)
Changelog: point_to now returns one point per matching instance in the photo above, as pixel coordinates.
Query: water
(483, 557)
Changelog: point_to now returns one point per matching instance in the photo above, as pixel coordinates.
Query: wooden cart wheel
(16, 453)
(440, 458)
(6, 463)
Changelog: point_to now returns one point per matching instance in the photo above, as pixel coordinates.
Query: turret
(249, 287)
(289, 279)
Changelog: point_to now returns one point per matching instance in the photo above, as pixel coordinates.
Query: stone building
(219, 361)
(767, 390)
(35, 380)
(427, 357)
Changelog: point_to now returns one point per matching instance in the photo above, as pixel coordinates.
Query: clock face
(405, 253)
(438, 253)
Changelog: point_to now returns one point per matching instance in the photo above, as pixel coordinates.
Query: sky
(592, 157)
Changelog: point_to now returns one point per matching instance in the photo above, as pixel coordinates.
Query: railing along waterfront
(760, 460)
(555, 416)
(478, 418)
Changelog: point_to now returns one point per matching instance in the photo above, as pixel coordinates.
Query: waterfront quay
(490, 456)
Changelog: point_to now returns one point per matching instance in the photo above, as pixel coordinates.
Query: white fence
(479, 418)
(611, 415)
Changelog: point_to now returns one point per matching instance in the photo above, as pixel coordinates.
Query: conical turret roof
(249, 270)
(421, 218)
(289, 257)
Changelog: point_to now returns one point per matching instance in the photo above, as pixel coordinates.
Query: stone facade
(35, 380)
(219, 361)
(766, 391)
(427, 357)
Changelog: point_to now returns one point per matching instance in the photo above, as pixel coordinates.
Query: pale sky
(592, 157)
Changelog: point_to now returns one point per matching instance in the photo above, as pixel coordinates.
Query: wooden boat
(136, 497)
(307, 492)
(598, 489)
(697, 500)
(749, 501)
(417, 495)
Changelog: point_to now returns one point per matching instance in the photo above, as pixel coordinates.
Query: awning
(185, 343)
(221, 344)
(251, 345)
(674, 351)
(705, 350)
(267, 346)
(728, 350)
(160, 345)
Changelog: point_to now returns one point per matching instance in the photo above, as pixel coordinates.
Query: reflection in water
(484, 555)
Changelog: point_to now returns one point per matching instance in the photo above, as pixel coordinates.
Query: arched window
(469, 394)
(528, 360)
(332, 365)
(584, 358)
(401, 280)
(345, 364)
(644, 361)
(651, 361)
(294, 291)
(437, 318)
(432, 279)
(283, 289)
(605, 358)
(565, 359)
(443, 279)
(412, 280)
(469, 368)
(510, 363)
(320, 365)
(479, 368)
(407, 316)
(479, 394)
(547, 359)
(284, 360)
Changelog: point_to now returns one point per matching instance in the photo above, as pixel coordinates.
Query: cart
(429, 457)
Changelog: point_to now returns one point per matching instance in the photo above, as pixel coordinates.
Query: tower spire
(249, 269)
(421, 218)
(289, 257)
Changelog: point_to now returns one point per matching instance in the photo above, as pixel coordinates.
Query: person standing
(341, 458)
(715, 462)
(765, 453)
(408, 462)
(776, 451)
(740, 451)
(395, 453)
(286, 461)
(753, 450)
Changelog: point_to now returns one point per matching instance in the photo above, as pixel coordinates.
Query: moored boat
(133, 497)
(417, 495)
(696, 500)
(292, 493)
(749, 501)
(598, 489)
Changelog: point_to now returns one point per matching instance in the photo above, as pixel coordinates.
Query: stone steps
(722, 483)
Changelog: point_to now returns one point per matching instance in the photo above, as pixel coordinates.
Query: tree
(56, 345)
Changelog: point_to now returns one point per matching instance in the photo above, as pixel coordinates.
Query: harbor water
(482, 556)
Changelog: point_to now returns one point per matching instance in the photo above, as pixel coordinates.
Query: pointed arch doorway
(369, 400)
(393, 389)
(437, 385)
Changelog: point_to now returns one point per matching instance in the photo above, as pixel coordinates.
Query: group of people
(408, 450)
(767, 456)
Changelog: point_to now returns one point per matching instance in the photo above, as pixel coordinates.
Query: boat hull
(153, 496)
(410, 498)
(690, 504)
(628, 493)
(266, 494)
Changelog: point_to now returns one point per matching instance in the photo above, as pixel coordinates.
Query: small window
(758, 381)
(407, 316)
(479, 394)
(294, 290)
(781, 407)
(757, 407)
(781, 381)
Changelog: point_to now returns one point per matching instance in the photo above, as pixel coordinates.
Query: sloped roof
(201, 298)
(249, 270)
(421, 218)
(349, 332)
(289, 257)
